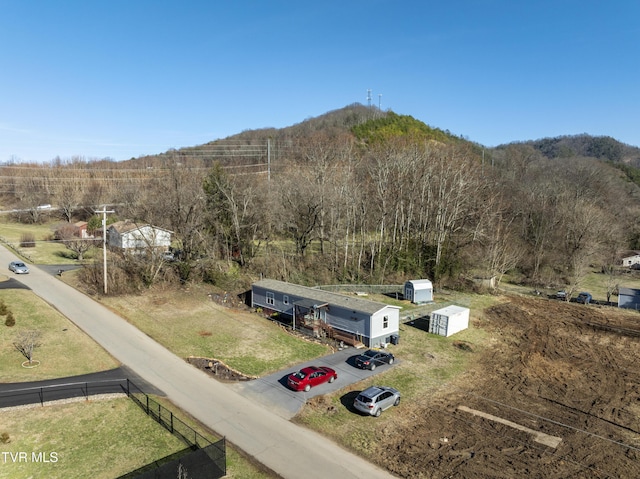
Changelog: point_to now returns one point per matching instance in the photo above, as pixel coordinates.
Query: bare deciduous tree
(26, 341)
(70, 236)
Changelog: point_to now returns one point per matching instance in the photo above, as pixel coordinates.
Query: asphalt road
(288, 449)
(103, 382)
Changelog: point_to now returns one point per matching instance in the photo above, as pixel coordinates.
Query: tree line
(380, 201)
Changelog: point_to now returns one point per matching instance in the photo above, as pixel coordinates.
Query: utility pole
(268, 159)
(104, 243)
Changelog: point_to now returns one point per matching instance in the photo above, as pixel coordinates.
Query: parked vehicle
(371, 359)
(561, 295)
(376, 399)
(18, 267)
(311, 376)
(584, 298)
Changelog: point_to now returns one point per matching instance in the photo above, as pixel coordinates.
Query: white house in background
(344, 318)
(129, 235)
(629, 261)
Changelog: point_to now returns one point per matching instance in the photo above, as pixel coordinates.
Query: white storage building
(418, 291)
(449, 320)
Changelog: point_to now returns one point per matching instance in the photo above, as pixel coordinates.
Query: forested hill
(599, 147)
(368, 124)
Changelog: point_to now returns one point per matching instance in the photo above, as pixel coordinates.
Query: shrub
(4, 438)
(27, 240)
(3, 308)
(10, 321)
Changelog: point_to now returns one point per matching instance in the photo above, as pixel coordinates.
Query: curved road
(289, 450)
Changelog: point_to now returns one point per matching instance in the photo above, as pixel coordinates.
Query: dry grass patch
(188, 323)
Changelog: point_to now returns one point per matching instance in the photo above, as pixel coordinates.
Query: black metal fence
(166, 418)
(55, 392)
(201, 459)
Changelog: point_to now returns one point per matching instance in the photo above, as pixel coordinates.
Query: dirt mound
(557, 370)
(218, 369)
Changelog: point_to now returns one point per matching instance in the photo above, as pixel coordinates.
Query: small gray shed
(449, 320)
(418, 291)
(629, 298)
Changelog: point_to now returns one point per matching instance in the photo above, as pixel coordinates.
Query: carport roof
(318, 296)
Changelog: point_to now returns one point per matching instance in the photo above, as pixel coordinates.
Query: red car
(306, 378)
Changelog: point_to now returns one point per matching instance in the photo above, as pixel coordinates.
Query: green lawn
(97, 439)
(64, 349)
(46, 251)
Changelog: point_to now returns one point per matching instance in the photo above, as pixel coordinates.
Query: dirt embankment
(558, 396)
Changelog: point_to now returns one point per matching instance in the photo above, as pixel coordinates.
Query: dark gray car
(371, 359)
(376, 399)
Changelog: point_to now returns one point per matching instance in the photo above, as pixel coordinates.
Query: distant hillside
(368, 124)
(599, 147)
(365, 124)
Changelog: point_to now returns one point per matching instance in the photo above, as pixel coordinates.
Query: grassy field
(46, 251)
(97, 439)
(64, 349)
(188, 323)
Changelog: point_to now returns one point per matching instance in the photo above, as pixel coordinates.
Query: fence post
(86, 391)
(128, 390)
(41, 397)
(147, 396)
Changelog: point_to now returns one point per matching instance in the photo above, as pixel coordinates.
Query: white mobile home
(350, 319)
(449, 320)
(418, 291)
(629, 298)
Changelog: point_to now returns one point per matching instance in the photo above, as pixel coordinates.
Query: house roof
(450, 310)
(420, 283)
(128, 225)
(320, 296)
(628, 292)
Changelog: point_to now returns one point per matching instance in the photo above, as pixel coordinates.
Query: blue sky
(125, 78)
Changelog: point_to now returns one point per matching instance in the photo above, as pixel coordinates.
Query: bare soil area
(561, 371)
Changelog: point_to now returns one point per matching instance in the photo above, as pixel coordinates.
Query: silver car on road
(18, 267)
(376, 399)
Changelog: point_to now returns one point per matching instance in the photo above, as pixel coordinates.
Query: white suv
(376, 399)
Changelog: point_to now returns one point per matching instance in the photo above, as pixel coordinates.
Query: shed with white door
(418, 291)
(449, 320)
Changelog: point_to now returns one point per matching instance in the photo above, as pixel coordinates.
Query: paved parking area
(272, 390)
